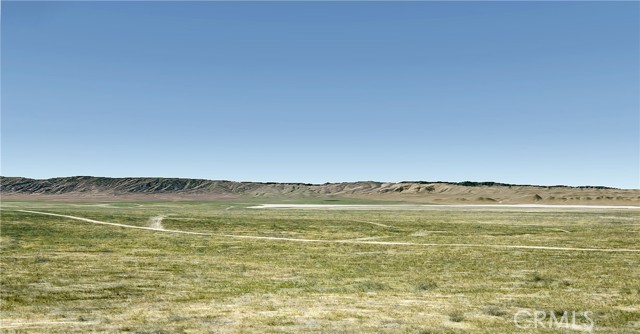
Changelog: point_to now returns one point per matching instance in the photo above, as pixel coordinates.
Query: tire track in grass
(364, 242)
(401, 243)
(112, 224)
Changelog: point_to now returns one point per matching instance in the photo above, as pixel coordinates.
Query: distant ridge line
(491, 184)
(91, 188)
(461, 183)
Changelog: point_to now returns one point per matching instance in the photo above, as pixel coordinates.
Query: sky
(526, 92)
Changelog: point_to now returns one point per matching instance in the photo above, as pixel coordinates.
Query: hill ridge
(462, 183)
(161, 188)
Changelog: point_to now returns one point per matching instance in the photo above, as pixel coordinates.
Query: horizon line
(461, 183)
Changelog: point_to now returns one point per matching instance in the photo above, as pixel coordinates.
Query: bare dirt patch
(156, 222)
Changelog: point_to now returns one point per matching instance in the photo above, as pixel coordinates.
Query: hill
(89, 188)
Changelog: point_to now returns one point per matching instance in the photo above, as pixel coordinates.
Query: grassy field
(367, 271)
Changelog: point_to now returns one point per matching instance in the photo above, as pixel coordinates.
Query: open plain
(423, 167)
(238, 267)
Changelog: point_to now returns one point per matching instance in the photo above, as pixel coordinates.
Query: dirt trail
(400, 243)
(112, 224)
(388, 243)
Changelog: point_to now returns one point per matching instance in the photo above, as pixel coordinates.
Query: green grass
(66, 276)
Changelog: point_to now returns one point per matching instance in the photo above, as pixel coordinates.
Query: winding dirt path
(389, 243)
(400, 243)
(112, 224)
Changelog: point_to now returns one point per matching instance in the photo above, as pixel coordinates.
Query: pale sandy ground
(442, 206)
(389, 243)
(156, 222)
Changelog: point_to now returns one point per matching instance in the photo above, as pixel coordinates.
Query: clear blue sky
(535, 92)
